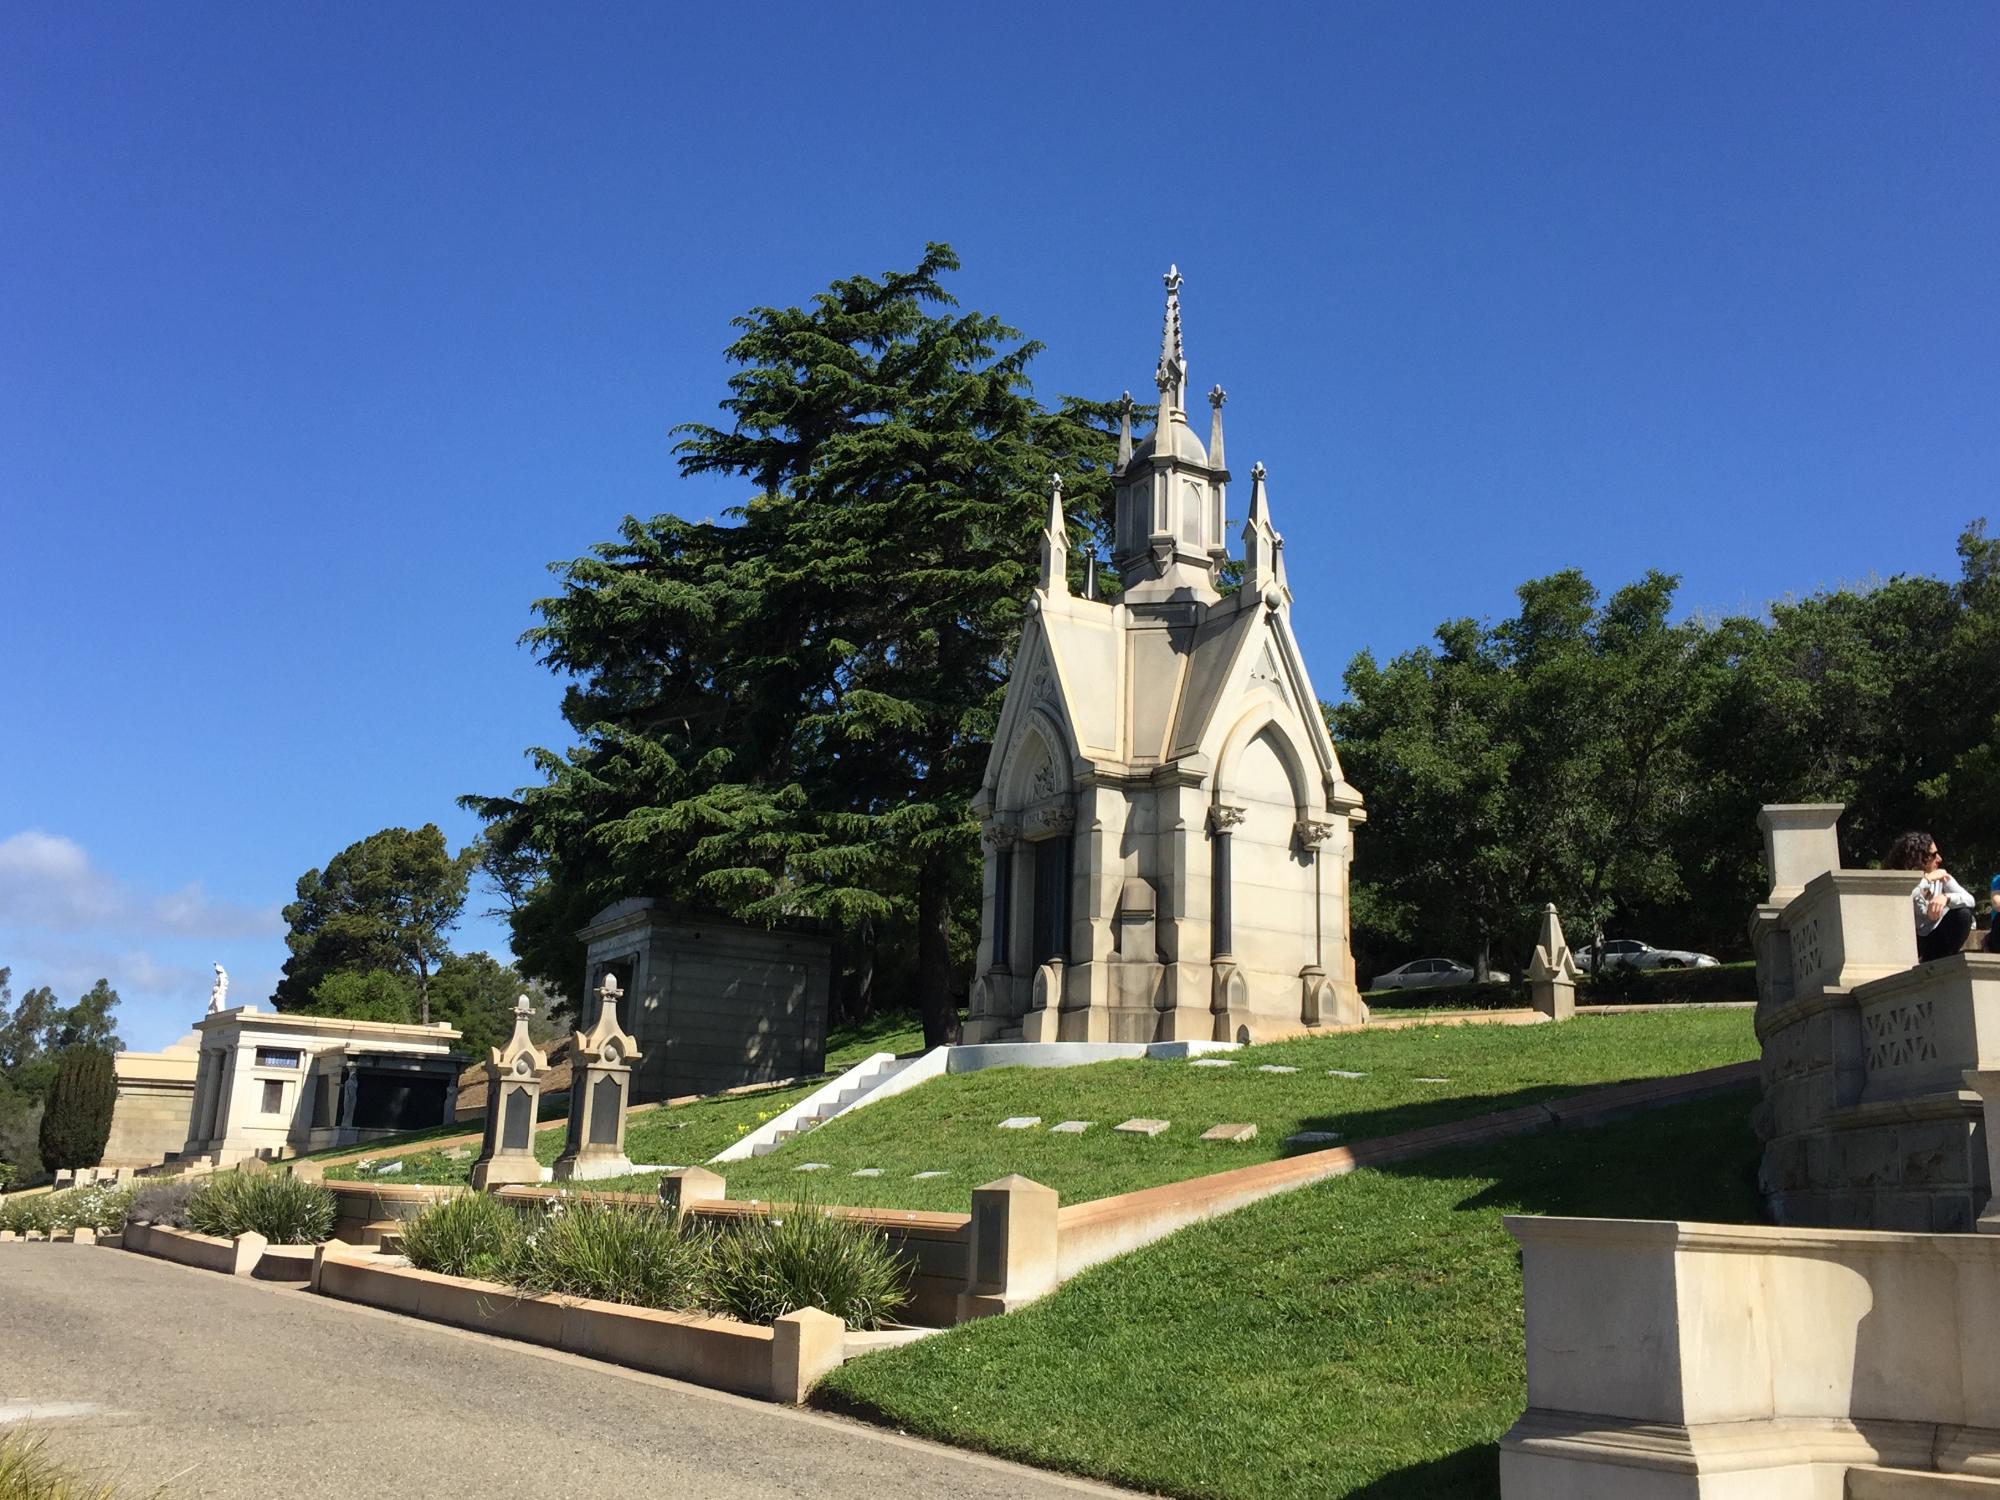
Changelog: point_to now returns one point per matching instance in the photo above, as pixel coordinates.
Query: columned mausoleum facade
(275, 1085)
(1167, 831)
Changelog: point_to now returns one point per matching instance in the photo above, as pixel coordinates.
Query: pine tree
(77, 1122)
(784, 715)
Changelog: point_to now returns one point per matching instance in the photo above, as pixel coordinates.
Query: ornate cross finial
(609, 989)
(1217, 395)
(1173, 280)
(1055, 485)
(1257, 471)
(1125, 404)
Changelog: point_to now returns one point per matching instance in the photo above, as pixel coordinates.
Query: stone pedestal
(1013, 1256)
(513, 1102)
(1987, 1085)
(600, 1089)
(1552, 972)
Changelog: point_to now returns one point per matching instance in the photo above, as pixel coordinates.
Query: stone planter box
(237, 1257)
(779, 1363)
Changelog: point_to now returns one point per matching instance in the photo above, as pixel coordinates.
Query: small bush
(282, 1208)
(805, 1257)
(466, 1234)
(612, 1252)
(164, 1202)
(25, 1474)
(99, 1206)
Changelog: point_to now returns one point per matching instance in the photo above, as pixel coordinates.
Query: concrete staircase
(880, 1076)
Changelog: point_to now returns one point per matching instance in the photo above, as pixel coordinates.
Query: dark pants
(1947, 937)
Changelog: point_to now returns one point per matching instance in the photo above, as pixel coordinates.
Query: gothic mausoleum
(1167, 831)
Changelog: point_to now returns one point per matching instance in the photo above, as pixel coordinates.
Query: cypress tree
(784, 715)
(77, 1121)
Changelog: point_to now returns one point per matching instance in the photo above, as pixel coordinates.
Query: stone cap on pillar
(1801, 841)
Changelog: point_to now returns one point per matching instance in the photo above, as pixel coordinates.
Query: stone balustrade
(1865, 1117)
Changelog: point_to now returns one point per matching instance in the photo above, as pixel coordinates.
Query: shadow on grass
(1469, 1474)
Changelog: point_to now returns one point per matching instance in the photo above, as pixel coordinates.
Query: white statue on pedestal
(218, 997)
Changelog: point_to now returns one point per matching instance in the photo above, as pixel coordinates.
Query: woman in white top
(1944, 907)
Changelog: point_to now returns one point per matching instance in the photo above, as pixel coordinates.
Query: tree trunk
(1482, 963)
(424, 992)
(934, 955)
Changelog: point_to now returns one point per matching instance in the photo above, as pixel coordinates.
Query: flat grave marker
(1020, 1122)
(1230, 1133)
(1146, 1128)
(1071, 1127)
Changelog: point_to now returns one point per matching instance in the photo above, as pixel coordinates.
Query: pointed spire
(1172, 373)
(1055, 543)
(1552, 958)
(1262, 560)
(1216, 397)
(1124, 429)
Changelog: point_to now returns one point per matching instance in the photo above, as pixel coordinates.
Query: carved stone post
(513, 1102)
(600, 1089)
(1552, 972)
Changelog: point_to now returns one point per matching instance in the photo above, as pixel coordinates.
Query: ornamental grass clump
(26, 1473)
(282, 1208)
(465, 1234)
(803, 1256)
(612, 1252)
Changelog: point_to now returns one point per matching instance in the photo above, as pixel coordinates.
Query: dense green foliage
(803, 1256)
(1358, 1337)
(286, 1210)
(783, 715)
(1593, 752)
(164, 1201)
(465, 1234)
(77, 1120)
(100, 1206)
(382, 904)
(33, 1037)
(643, 1256)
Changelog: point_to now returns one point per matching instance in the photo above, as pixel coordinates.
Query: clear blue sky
(323, 329)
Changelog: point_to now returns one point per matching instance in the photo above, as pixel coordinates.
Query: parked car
(1426, 973)
(1630, 953)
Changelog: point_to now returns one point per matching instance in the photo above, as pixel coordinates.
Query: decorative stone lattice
(1899, 1035)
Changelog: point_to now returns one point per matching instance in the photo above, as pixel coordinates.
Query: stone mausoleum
(1167, 831)
(275, 1084)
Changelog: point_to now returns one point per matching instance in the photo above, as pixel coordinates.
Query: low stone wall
(1670, 1360)
(237, 1257)
(778, 1363)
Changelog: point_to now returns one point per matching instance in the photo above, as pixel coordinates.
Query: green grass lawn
(950, 1124)
(1361, 1337)
(686, 1136)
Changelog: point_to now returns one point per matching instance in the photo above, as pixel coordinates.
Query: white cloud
(48, 881)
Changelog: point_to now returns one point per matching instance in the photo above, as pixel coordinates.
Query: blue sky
(323, 329)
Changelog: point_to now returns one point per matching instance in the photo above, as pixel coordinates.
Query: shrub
(613, 1252)
(465, 1234)
(282, 1208)
(77, 1121)
(164, 1202)
(99, 1206)
(9, 1175)
(805, 1257)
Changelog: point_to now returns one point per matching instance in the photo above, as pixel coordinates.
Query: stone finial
(1055, 543)
(1216, 397)
(1124, 429)
(1260, 540)
(1552, 972)
(523, 1006)
(1171, 377)
(218, 995)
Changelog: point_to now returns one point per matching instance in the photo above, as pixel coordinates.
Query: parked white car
(1630, 953)
(1426, 973)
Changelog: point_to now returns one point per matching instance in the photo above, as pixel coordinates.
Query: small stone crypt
(1167, 831)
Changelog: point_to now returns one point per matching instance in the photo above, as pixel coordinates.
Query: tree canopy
(1595, 753)
(384, 903)
(782, 715)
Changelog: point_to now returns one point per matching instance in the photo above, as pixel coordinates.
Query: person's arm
(1956, 894)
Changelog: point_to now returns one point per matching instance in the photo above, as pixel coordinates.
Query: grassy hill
(951, 1124)
(1361, 1337)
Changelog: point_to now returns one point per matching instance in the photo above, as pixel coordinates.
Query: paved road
(153, 1374)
